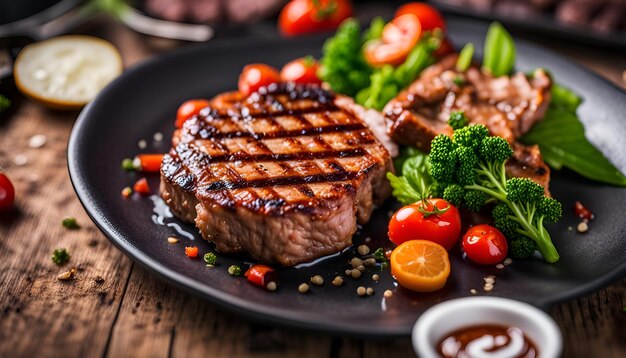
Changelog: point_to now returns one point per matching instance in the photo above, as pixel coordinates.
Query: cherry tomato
(411, 223)
(301, 70)
(307, 16)
(428, 16)
(398, 39)
(255, 76)
(141, 187)
(7, 192)
(189, 109)
(484, 244)
(260, 275)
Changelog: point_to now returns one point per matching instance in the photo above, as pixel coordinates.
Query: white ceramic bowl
(451, 315)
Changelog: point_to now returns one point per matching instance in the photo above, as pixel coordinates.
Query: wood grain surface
(115, 308)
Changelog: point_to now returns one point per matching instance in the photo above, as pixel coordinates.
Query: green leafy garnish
(464, 61)
(210, 259)
(561, 138)
(375, 31)
(342, 65)
(234, 270)
(70, 223)
(415, 180)
(60, 257)
(387, 81)
(5, 103)
(499, 51)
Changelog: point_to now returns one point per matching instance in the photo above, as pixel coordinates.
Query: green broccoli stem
(539, 234)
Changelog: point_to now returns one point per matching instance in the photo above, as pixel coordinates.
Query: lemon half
(66, 72)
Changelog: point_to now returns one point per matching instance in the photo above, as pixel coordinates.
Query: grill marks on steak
(272, 173)
(507, 106)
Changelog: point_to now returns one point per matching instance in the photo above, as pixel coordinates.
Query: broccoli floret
(523, 190)
(470, 136)
(474, 200)
(467, 160)
(454, 194)
(476, 162)
(551, 209)
(443, 159)
(522, 248)
(342, 65)
(495, 149)
(458, 120)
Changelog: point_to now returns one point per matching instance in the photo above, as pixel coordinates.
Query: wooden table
(116, 308)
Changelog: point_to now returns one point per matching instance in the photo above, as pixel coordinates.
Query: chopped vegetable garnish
(149, 163)
(70, 223)
(191, 251)
(127, 192)
(141, 186)
(234, 270)
(210, 259)
(60, 257)
(128, 165)
(5, 103)
(260, 275)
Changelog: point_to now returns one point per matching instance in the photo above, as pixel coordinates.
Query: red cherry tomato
(260, 275)
(189, 109)
(428, 16)
(485, 245)
(307, 16)
(398, 39)
(255, 76)
(301, 70)
(7, 192)
(410, 223)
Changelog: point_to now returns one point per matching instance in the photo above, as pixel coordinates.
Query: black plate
(144, 100)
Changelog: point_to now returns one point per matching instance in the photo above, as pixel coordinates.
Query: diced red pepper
(582, 212)
(191, 251)
(260, 275)
(141, 187)
(150, 163)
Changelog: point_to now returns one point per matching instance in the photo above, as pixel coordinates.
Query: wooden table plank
(40, 315)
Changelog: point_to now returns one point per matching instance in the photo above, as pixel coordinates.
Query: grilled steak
(507, 106)
(284, 174)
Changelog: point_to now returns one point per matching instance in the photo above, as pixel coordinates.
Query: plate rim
(231, 302)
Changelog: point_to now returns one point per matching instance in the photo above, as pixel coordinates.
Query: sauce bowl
(449, 316)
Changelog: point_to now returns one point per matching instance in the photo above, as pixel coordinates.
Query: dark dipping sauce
(487, 341)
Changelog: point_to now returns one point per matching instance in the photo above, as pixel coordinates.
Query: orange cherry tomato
(191, 251)
(428, 16)
(398, 39)
(150, 163)
(301, 70)
(255, 76)
(7, 192)
(189, 109)
(260, 275)
(307, 16)
(420, 265)
(413, 222)
(141, 187)
(485, 245)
